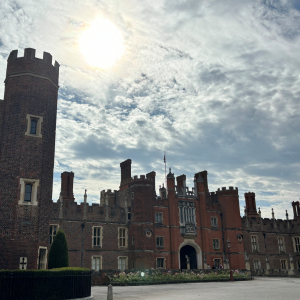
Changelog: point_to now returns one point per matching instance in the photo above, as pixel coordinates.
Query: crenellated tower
(27, 158)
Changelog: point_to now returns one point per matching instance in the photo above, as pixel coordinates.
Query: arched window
(33, 126)
(28, 190)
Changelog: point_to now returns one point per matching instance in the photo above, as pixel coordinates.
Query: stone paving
(259, 288)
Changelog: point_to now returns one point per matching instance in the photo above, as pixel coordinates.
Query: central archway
(194, 250)
(188, 253)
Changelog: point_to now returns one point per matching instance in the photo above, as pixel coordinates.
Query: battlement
(29, 53)
(212, 198)
(29, 64)
(108, 192)
(185, 191)
(142, 179)
(229, 191)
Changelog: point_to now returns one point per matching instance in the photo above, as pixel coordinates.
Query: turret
(27, 155)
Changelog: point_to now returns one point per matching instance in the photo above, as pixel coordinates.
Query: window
(216, 243)
(28, 194)
(256, 264)
(187, 212)
(34, 126)
(217, 262)
(129, 216)
(132, 195)
(254, 243)
(281, 244)
(298, 263)
(160, 263)
(132, 241)
(214, 222)
(296, 241)
(122, 263)
(158, 217)
(133, 265)
(283, 264)
(28, 190)
(53, 230)
(96, 263)
(97, 236)
(42, 258)
(122, 237)
(23, 263)
(159, 241)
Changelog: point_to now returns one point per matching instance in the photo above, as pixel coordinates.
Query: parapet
(33, 65)
(212, 198)
(230, 191)
(143, 179)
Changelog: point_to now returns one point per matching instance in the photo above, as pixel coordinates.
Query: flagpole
(165, 168)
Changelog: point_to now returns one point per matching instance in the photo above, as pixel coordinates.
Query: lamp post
(228, 246)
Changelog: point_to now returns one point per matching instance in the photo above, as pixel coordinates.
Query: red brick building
(132, 227)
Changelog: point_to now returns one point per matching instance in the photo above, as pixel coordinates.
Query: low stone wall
(276, 273)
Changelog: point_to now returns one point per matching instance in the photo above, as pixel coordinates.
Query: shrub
(55, 284)
(59, 255)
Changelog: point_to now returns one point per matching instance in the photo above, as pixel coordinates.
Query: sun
(102, 44)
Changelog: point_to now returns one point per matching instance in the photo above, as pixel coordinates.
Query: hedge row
(55, 284)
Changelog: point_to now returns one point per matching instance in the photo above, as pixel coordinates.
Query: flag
(164, 158)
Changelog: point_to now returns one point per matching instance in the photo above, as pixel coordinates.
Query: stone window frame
(35, 184)
(39, 120)
(256, 243)
(124, 238)
(51, 235)
(164, 263)
(96, 236)
(258, 264)
(283, 263)
(218, 258)
(218, 246)
(211, 222)
(160, 238)
(162, 217)
(45, 259)
(283, 244)
(184, 215)
(92, 262)
(296, 245)
(126, 262)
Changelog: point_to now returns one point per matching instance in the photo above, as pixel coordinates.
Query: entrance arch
(193, 251)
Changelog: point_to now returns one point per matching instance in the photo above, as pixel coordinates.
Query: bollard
(231, 275)
(110, 292)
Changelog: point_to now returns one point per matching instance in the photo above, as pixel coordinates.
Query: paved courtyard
(259, 288)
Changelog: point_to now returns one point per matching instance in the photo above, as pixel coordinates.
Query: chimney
(67, 179)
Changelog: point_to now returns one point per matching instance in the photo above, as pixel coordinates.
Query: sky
(213, 83)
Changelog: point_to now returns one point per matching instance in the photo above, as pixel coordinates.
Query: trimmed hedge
(56, 284)
(59, 254)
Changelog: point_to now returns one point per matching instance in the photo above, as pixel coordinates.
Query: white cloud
(215, 84)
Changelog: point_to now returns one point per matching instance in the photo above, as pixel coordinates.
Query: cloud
(215, 84)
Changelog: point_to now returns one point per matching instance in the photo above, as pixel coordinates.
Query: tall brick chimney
(125, 171)
(251, 205)
(67, 179)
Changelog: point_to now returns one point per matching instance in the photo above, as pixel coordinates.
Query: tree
(59, 254)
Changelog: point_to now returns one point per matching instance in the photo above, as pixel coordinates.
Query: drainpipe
(82, 240)
(221, 215)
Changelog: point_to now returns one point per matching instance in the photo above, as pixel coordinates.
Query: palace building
(130, 228)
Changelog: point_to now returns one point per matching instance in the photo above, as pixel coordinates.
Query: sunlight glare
(102, 44)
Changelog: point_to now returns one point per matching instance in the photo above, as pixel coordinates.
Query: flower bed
(162, 277)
